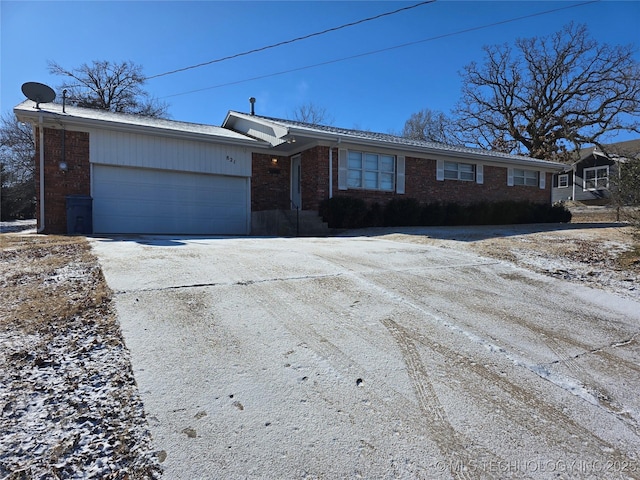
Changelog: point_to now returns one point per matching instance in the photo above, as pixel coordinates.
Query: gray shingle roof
(399, 141)
(88, 115)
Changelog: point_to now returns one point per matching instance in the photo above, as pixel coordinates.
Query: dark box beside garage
(79, 215)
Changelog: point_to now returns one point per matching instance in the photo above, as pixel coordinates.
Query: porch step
(288, 223)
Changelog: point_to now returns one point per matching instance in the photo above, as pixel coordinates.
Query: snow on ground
(25, 226)
(379, 354)
(349, 357)
(69, 405)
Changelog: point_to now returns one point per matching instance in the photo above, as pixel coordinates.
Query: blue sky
(376, 92)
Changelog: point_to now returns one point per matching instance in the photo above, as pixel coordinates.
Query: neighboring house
(589, 178)
(160, 176)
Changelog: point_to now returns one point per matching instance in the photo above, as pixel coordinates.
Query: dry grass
(39, 290)
(63, 357)
(630, 260)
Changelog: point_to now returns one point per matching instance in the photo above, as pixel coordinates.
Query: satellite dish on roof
(38, 92)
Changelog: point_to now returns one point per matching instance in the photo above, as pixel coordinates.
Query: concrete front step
(288, 223)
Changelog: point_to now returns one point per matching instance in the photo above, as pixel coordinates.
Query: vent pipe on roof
(252, 101)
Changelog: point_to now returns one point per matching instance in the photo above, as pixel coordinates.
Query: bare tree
(431, 126)
(625, 179)
(549, 95)
(312, 113)
(17, 168)
(116, 87)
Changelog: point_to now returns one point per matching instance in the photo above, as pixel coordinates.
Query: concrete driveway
(369, 358)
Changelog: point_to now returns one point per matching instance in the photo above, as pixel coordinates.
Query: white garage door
(138, 200)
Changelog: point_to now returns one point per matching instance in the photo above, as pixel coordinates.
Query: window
(596, 178)
(459, 171)
(525, 177)
(370, 171)
(563, 180)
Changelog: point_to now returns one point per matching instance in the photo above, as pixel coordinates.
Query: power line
(374, 52)
(286, 42)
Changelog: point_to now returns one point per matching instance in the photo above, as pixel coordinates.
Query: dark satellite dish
(38, 92)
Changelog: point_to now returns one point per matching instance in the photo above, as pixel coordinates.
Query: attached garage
(138, 200)
(144, 175)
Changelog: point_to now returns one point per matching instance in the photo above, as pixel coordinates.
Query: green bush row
(349, 212)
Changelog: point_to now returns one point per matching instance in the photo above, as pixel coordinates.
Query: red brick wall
(421, 183)
(270, 184)
(270, 191)
(58, 184)
(315, 177)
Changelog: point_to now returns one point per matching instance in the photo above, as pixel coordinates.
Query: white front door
(296, 187)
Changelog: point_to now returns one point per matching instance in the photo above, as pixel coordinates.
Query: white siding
(147, 151)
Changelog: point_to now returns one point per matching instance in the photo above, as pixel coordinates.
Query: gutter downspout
(331, 147)
(42, 195)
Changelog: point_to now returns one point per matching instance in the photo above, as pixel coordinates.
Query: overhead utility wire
(408, 44)
(293, 40)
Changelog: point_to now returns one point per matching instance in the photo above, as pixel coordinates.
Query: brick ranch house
(155, 176)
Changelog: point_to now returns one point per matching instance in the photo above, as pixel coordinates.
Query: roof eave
(335, 138)
(56, 119)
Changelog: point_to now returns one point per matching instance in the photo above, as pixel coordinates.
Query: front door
(296, 191)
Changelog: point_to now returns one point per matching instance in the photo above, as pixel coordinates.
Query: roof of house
(614, 151)
(284, 131)
(52, 115)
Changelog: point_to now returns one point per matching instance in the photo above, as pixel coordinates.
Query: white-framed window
(596, 178)
(528, 178)
(459, 171)
(563, 180)
(370, 171)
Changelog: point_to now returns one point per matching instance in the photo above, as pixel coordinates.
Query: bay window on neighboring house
(596, 178)
(370, 171)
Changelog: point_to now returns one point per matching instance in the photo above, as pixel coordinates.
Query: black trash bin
(79, 215)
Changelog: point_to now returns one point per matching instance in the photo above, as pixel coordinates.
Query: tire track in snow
(451, 443)
(581, 384)
(428, 417)
(557, 423)
(525, 397)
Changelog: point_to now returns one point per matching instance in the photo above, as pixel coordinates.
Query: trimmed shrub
(402, 212)
(348, 212)
(432, 214)
(374, 216)
(558, 213)
(344, 212)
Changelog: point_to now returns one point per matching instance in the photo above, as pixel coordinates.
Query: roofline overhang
(62, 120)
(332, 138)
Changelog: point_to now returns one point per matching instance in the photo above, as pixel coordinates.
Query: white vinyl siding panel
(146, 151)
(144, 201)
